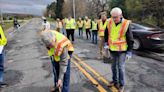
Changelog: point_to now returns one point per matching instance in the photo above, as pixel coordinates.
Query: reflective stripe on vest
(61, 42)
(87, 24)
(94, 25)
(102, 27)
(117, 35)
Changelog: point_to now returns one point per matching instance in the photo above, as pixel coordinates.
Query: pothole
(13, 77)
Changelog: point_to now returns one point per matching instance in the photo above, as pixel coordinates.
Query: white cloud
(35, 7)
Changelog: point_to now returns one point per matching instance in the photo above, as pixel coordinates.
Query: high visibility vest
(102, 27)
(117, 35)
(70, 24)
(80, 24)
(3, 40)
(94, 25)
(61, 42)
(87, 24)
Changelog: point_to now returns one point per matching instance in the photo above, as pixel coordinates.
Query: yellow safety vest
(117, 35)
(61, 42)
(94, 25)
(102, 27)
(80, 24)
(87, 24)
(70, 24)
(3, 40)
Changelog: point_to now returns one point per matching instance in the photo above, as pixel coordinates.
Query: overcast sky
(35, 7)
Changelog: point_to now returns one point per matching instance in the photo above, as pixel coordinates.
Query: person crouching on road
(120, 43)
(60, 50)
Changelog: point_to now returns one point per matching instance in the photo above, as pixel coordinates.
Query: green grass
(50, 19)
(9, 24)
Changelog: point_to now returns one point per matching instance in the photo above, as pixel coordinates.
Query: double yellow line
(93, 80)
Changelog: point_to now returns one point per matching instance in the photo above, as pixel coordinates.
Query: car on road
(147, 36)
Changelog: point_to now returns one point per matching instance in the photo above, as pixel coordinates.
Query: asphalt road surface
(28, 68)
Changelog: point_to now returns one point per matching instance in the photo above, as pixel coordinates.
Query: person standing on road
(16, 24)
(80, 27)
(87, 25)
(70, 27)
(58, 25)
(119, 38)
(94, 27)
(3, 42)
(102, 24)
(45, 24)
(60, 50)
(63, 23)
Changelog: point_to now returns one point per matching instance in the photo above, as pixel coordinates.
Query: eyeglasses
(115, 17)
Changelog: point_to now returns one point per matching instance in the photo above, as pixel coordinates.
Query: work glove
(128, 55)
(106, 45)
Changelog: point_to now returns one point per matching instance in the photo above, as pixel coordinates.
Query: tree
(59, 8)
(134, 9)
(154, 8)
(120, 4)
(51, 10)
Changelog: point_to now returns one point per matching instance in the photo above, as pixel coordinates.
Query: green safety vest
(61, 42)
(70, 24)
(80, 24)
(3, 40)
(102, 27)
(94, 25)
(87, 24)
(117, 35)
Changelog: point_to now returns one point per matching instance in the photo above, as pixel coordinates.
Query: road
(28, 68)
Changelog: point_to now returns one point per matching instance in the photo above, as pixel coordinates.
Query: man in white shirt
(46, 24)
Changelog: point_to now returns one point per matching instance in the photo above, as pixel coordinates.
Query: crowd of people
(114, 35)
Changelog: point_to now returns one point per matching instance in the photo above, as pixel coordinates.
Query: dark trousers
(88, 33)
(70, 32)
(66, 79)
(80, 32)
(94, 36)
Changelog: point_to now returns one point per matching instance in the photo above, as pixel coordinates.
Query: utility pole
(1, 16)
(74, 9)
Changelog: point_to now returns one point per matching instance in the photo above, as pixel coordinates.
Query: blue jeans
(66, 79)
(1, 66)
(63, 30)
(80, 32)
(94, 36)
(118, 67)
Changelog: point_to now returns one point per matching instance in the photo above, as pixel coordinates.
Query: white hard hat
(44, 18)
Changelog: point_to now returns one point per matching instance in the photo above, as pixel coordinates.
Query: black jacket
(129, 38)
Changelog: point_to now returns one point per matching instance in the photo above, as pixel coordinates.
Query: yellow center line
(100, 77)
(98, 86)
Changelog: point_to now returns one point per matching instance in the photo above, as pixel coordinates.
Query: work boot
(54, 89)
(114, 84)
(3, 84)
(121, 89)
